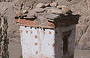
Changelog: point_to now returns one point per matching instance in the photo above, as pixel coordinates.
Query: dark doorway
(65, 45)
(65, 42)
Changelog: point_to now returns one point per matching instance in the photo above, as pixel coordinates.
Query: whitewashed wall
(37, 42)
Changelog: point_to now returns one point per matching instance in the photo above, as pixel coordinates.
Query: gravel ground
(82, 54)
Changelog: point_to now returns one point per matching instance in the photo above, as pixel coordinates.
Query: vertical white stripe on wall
(47, 48)
(37, 43)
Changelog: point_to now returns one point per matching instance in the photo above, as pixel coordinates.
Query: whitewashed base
(37, 43)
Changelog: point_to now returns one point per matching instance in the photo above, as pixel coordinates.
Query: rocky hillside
(81, 7)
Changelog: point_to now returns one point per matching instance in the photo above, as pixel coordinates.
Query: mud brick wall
(48, 16)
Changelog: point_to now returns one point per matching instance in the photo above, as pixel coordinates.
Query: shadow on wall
(65, 36)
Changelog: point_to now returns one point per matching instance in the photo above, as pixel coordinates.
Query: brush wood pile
(3, 37)
(44, 13)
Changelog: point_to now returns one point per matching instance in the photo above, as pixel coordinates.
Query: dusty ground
(14, 48)
(82, 54)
